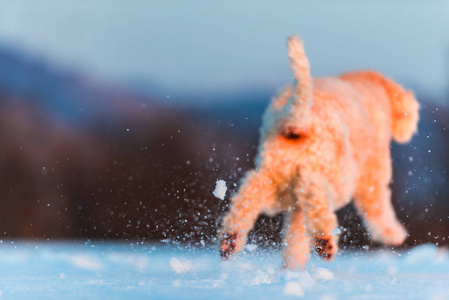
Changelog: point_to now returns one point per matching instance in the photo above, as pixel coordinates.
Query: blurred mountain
(84, 159)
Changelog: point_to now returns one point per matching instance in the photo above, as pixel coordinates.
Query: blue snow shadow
(134, 271)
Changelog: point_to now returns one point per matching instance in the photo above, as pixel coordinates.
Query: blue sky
(193, 47)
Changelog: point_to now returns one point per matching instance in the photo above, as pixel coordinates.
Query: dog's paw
(228, 245)
(325, 247)
(393, 235)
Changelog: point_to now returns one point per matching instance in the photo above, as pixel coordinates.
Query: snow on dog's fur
(324, 141)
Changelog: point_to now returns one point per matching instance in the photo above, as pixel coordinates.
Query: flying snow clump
(220, 189)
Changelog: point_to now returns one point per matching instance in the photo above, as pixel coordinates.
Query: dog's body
(324, 142)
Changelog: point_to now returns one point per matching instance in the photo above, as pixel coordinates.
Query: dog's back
(370, 110)
(403, 107)
(374, 108)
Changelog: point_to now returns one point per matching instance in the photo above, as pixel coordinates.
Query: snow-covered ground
(134, 271)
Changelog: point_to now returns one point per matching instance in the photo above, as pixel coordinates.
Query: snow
(180, 266)
(302, 278)
(336, 231)
(323, 274)
(84, 262)
(251, 247)
(263, 277)
(160, 271)
(293, 289)
(220, 189)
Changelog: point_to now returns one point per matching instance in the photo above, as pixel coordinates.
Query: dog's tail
(303, 92)
(405, 111)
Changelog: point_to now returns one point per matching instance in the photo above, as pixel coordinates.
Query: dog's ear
(281, 98)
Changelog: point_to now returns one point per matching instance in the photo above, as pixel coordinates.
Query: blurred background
(117, 117)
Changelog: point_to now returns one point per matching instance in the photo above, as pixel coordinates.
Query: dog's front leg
(257, 194)
(320, 218)
(296, 241)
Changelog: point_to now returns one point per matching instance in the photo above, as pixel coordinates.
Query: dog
(324, 142)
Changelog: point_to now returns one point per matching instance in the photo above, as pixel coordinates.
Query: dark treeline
(78, 161)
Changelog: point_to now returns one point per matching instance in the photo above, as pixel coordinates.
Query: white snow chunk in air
(323, 274)
(220, 189)
(293, 288)
(180, 266)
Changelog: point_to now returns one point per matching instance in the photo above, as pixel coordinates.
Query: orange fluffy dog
(323, 142)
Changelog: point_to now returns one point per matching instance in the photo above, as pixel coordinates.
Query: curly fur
(323, 142)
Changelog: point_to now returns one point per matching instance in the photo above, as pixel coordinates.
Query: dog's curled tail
(405, 112)
(301, 71)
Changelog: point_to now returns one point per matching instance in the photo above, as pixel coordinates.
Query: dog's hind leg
(296, 241)
(320, 218)
(256, 195)
(373, 201)
(378, 212)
